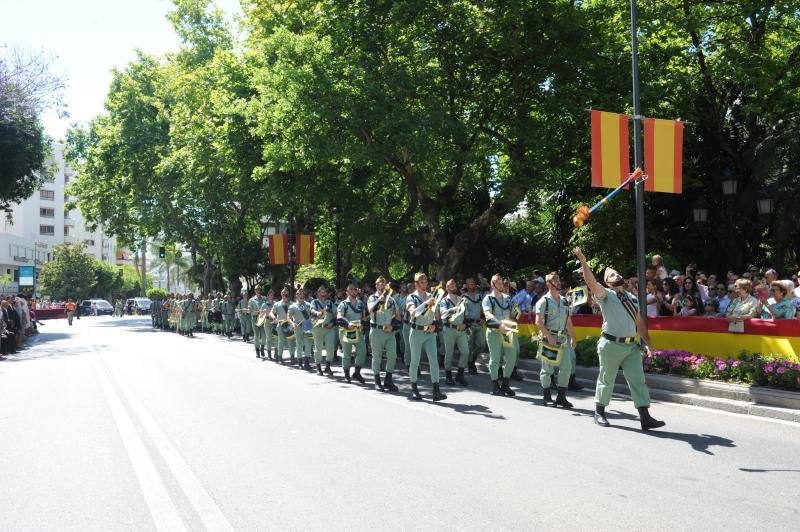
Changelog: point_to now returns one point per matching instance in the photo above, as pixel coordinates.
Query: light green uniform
(618, 321)
(229, 315)
(406, 333)
(259, 333)
(420, 340)
(499, 353)
(453, 336)
(325, 333)
(202, 308)
(280, 311)
(190, 315)
(352, 312)
(473, 316)
(380, 340)
(216, 304)
(270, 337)
(555, 315)
(304, 342)
(245, 319)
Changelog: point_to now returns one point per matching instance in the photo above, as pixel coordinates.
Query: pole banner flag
(305, 249)
(663, 155)
(278, 249)
(610, 149)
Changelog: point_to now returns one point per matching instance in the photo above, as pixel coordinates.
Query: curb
(734, 398)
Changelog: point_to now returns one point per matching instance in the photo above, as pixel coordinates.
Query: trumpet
(459, 310)
(438, 293)
(386, 296)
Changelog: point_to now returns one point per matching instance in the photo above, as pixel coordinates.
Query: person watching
(779, 306)
(744, 306)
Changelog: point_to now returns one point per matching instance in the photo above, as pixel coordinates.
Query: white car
(139, 305)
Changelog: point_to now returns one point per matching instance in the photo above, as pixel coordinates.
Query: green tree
(71, 273)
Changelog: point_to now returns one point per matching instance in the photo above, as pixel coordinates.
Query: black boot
(460, 377)
(561, 399)
(573, 385)
(448, 377)
(516, 375)
(306, 364)
(473, 369)
(496, 388)
(647, 421)
(319, 369)
(262, 352)
(437, 394)
(292, 360)
(347, 374)
(600, 416)
(357, 375)
(328, 369)
(547, 399)
(258, 352)
(506, 389)
(378, 385)
(414, 395)
(388, 384)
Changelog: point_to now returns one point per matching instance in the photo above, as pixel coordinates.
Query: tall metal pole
(638, 154)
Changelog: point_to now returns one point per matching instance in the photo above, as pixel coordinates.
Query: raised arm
(596, 288)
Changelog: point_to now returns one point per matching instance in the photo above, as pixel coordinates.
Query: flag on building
(305, 249)
(663, 155)
(279, 249)
(610, 149)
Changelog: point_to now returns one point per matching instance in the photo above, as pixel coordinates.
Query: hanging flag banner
(610, 149)
(278, 249)
(663, 155)
(305, 249)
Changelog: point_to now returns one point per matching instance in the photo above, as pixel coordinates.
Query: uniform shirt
(419, 317)
(300, 313)
(242, 306)
(499, 307)
(255, 305)
(448, 307)
(228, 308)
(281, 310)
(191, 305)
(555, 313)
(618, 317)
(320, 306)
(351, 312)
(784, 309)
(474, 308)
(379, 316)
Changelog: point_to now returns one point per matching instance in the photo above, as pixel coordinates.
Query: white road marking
(203, 503)
(162, 509)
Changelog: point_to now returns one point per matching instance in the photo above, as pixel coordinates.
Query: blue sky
(88, 38)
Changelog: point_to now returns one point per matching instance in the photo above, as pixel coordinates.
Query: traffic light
(162, 252)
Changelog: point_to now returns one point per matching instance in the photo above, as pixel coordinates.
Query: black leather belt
(620, 339)
(452, 326)
(420, 328)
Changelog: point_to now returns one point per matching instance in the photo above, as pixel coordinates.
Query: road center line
(203, 503)
(162, 509)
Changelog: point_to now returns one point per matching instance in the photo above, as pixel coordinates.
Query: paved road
(109, 425)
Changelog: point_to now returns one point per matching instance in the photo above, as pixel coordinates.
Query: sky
(87, 39)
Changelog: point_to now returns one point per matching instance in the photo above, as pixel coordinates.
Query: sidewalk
(735, 398)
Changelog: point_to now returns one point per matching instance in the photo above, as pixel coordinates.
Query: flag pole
(638, 148)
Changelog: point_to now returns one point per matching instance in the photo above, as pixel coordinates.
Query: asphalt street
(110, 425)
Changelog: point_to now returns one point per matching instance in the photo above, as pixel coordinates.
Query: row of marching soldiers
(387, 321)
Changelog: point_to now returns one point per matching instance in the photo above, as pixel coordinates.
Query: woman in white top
(658, 264)
(653, 299)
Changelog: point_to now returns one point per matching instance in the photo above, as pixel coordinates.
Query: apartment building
(30, 232)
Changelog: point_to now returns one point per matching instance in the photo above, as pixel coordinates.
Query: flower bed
(749, 368)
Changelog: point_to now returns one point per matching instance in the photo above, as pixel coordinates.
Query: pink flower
(735, 363)
(781, 370)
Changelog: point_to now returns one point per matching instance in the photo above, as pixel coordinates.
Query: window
(46, 212)
(89, 242)
(47, 229)
(66, 230)
(47, 195)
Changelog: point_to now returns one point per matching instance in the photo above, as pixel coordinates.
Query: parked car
(103, 307)
(138, 305)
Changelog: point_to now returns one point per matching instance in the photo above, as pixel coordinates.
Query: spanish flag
(305, 249)
(278, 249)
(610, 149)
(663, 155)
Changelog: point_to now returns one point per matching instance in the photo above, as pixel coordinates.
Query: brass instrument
(387, 294)
(438, 294)
(460, 309)
(319, 322)
(262, 318)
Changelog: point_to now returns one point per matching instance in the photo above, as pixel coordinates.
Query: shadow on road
(749, 470)
(472, 410)
(699, 442)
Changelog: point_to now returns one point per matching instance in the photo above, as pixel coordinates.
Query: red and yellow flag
(305, 249)
(278, 249)
(610, 149)
(663, 155)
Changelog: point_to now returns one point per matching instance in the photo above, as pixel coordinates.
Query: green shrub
(156, 293)
(586, 352)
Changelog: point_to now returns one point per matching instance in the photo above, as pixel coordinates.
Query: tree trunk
(144, 266)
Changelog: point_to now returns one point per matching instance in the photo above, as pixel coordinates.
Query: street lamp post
(700, 212)
(765, 204)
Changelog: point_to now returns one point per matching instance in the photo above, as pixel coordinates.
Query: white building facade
(29, 234)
